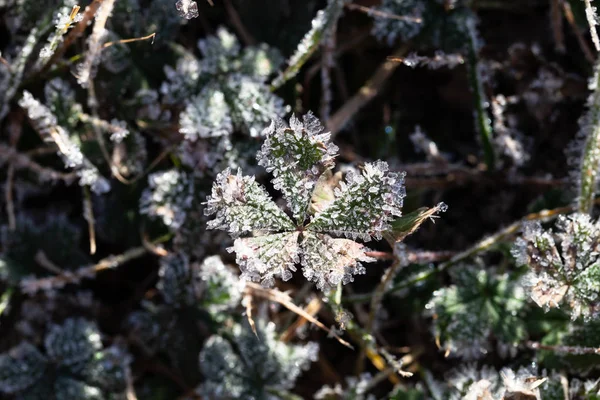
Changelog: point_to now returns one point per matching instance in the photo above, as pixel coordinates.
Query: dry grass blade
(247, 302)
(312, 308)
(365, 94)
(286, 301)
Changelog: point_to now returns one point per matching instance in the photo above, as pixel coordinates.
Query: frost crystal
(188, 9)
(252, 367)
(298, 157)
(569, 273)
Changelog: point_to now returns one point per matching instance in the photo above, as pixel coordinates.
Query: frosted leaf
(364, 205)
(108, 369)
(297, 156)
(242, 205)
(168, 197)
(260, 61)
(175, 280)
(564, 272)
(255, 367)
(73, 342)
(263, 258)
(221, 288)
(253, 105)
(20, 368)
(328, 261)
(479, 304)
(206, 115)
(220, 52)
(182, 81)
(68, 389)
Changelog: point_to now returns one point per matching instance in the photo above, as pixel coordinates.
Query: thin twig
(72, 277)
(377, 13)
(236, 21)
(21, 161)
(556, 22)
(130, 40)
(88, 215)
(313, 307)
(286, 301)
(8, 192)
(575, 350)
(365, 94)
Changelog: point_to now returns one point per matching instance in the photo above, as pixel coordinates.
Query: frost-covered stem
(380, 292)
(72, 277)
(366, 93)
(482, 120)
(63, 25)
(372, 12)
(21, 161)
(590, 158)
(327, 65)
(77, 31)
(322, 26)
(573, 350)
(86, 70)
(568, 12)
(590, 14)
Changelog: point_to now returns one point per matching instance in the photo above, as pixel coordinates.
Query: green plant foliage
(252, 366)
(74, 366)
(566, 276)
(478, 306)
(297, 156)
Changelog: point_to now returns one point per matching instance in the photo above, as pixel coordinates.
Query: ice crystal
(564, 272)
(298, 156)
(250, 366)
(479, 304)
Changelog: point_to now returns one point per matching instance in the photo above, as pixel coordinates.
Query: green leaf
(408, 224)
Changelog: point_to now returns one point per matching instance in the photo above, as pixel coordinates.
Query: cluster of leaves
(74, 365)
(162, 132)
(299, 156)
